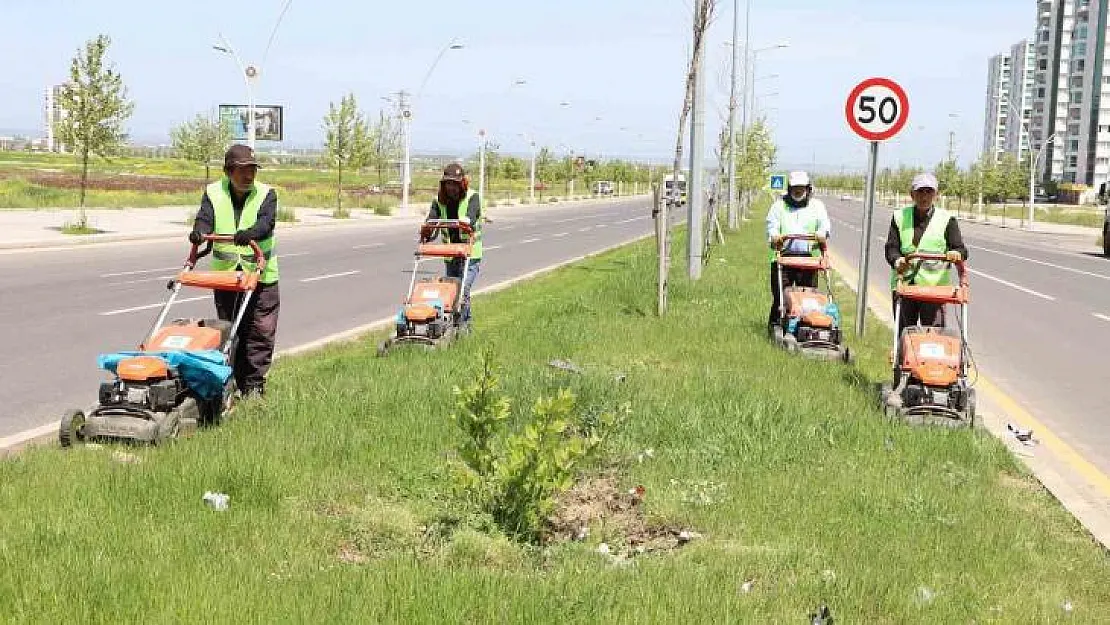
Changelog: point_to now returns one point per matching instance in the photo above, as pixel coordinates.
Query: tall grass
(341, 509)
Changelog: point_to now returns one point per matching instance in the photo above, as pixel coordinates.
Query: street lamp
(406, 121)
(1033, 175)
(250, 72)
(532, 186)
(751, 56)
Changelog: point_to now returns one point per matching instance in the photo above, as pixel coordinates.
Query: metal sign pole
(865, 240)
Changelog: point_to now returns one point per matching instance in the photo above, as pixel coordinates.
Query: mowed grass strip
(342, 510)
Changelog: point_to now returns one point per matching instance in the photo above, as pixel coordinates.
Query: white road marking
(563, 221)
(367, 246)
(599, 226)
(1013, 286)
(494, 247)
(559, 235)
(1041, 262)
(137, 272)
(626, 221)
(586, 229)
(330, 275)
(149, 306)
(140, 281)
(294, 254)
(529, 240)
(1101, 316)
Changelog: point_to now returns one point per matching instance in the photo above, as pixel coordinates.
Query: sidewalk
(32, 229)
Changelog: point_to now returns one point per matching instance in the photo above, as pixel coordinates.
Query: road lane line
(294, 254)
(626, 221)
(529, 240)
(138, 272)
(149, 306)
(559, 235)
(599, 226)
(1041, 262)
(1101, 316)
(329, 276)
(586, 229)
(367, 246)
(1012, 285)
(493, 247)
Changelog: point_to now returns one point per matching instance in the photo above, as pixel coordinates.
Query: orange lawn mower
(181, 375)
(809, 320)
(930, 374)
(431, 314)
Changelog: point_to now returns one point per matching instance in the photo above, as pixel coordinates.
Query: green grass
(341, 507)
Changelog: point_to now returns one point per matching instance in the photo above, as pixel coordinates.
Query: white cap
(924, 181)
(798, 179)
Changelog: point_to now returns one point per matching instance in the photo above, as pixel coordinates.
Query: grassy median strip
(771, 485)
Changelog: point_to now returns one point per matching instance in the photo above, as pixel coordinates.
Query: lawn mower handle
(429, 227)
(195, 254)
(787, 238)
(959, 264)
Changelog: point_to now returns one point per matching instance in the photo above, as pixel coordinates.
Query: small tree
(546, 166)
(512, 169)
(202, 140)
(346, 140)
(384, 146)
(94, 108)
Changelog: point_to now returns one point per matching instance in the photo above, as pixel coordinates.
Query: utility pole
(733, 214)
(747, 83)
(406, 169)
(696, 195)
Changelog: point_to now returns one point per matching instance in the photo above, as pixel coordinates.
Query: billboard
(268, 120)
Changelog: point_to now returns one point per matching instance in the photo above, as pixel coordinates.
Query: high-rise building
(1023, 61)
(998, 104)
(52, 113)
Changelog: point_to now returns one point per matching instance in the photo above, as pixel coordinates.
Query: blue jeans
(454, 270)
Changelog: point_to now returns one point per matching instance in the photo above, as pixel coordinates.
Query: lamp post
(406, 124)
(251, 72)
(1033, 175)
(749, 96)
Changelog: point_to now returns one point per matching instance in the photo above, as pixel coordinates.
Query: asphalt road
(61, 309)
(1039, 319)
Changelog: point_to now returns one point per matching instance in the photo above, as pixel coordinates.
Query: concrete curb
(47, 433)
(1080, 487)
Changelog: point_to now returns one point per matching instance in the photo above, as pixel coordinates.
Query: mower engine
(143, 382)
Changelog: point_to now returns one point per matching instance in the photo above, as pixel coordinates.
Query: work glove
(776, 242)
(242, 238)
(196, 238)
(954, 256)
(901, 265)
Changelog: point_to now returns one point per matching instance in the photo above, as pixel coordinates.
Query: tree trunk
(83, 220)
(206, 173)
(339, 189)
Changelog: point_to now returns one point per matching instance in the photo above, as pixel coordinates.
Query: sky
(619, 64)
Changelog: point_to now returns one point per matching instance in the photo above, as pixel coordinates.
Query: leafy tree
(94, 108)
(346, 140)
(202, 140)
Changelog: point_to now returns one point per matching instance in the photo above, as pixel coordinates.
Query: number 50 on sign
(877, 109)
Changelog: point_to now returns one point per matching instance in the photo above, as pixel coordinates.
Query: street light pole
(406, 111)
(482, 164)
(1033, 175)
(249, 73)
(733, 216)
(532, 186)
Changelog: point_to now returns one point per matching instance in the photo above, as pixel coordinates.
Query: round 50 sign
(877, 109)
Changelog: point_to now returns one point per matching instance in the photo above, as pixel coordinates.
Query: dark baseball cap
(454, 172)
(240, 156)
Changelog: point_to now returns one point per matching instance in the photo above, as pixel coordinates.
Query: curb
(47, 433)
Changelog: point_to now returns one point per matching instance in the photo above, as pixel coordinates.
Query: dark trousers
(255, 351)
(914, 313)
(790, 277)
(455, 270)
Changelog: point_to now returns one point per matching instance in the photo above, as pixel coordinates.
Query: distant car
(846, 197)
(603, 187)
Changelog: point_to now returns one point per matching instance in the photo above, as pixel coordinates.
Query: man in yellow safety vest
(237, 205)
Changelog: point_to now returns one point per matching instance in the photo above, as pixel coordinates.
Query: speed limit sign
(877, 109)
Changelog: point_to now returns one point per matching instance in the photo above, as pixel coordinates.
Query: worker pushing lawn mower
(435, 312)
(930, 363)
(181, 375)
(432, 312)
(802, 318)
